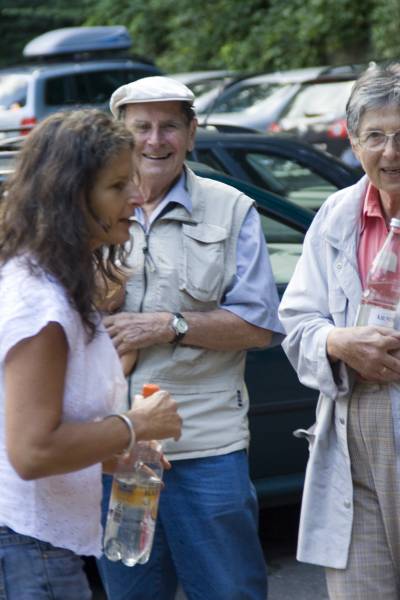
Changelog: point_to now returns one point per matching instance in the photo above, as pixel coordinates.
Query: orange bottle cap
(149, 389)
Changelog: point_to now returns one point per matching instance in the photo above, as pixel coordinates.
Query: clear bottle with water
(133, 507)
(381, 297)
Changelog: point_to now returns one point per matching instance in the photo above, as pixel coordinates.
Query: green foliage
(21, 21)
(385, 19)
(250, 35)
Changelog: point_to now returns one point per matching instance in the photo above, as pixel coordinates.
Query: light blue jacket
(325, 292)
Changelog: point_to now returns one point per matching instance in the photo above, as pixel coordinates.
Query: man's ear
(192, 133)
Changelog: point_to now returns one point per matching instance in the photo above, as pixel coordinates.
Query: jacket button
(342, 421)
(339, 266)
(347, 504)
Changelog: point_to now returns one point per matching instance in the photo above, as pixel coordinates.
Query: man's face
(162, 138)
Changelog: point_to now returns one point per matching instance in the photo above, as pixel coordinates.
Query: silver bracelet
(129, 425)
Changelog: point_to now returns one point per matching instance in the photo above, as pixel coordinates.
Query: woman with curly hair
(64, 220)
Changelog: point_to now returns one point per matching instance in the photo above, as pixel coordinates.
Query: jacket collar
(345, 217)
(341, 230)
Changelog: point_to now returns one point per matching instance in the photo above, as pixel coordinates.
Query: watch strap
(178, 334)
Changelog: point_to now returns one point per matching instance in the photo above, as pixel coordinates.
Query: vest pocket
(202, 268)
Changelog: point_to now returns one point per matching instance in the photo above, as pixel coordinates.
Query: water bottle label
(381, 317)
(136, 495)
(117, 513)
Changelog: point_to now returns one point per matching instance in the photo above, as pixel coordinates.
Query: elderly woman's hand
(373, 352)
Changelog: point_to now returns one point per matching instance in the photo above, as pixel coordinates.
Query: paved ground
(288, 579)
(291, 580)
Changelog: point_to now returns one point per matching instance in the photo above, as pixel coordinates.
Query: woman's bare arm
(38, 442)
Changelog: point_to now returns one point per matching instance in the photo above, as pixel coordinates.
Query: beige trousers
(373, 568)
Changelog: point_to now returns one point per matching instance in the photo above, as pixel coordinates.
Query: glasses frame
(381, 146)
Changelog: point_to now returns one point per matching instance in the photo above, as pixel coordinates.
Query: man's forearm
(223, 330)
(215, 330)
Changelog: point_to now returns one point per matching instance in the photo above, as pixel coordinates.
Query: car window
(13, 91)
(209, 158)
(246, 97)
(95, 87)
(284, 247)
(296, 182)
(320, 99)
(205, 85)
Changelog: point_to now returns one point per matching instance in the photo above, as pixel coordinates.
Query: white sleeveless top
(63, 509)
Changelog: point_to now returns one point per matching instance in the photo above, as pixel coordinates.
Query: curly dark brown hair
(42, 213)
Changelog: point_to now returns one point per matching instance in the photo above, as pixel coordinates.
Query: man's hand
(373, 352)
(132, 331)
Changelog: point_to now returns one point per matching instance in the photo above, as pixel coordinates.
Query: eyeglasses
(377, 140)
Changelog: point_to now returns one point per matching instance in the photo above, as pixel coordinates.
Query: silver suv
(68, 70)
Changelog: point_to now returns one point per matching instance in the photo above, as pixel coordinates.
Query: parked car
(254, 101)
(287, 167)
(68, 68)
(205, 83)
(317, 112)
(278, 402)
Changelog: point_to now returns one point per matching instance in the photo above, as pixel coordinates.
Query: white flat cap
(150, 89)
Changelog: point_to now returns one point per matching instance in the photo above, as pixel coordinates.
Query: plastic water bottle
(381, 297)
(134, 500)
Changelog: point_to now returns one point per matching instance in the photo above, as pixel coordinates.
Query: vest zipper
(148, 263)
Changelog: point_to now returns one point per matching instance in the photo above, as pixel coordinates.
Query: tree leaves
(251, 36)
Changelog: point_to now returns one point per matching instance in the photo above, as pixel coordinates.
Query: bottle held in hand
(381, 297)
(134, 501)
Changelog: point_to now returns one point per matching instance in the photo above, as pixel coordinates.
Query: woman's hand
(155, 417)
(373, 352)
(111, 294)
(128, 362)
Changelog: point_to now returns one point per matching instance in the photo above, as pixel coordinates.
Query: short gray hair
(377, 87)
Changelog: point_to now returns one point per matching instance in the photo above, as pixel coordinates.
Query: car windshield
(89, 88)
(206, 85)
(13, 90)
(246, 98)
(320, 99)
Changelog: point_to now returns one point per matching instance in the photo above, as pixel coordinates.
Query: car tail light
(28, 123)
(338, 129)
(274, 128)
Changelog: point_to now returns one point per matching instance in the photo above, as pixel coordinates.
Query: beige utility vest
(185, 263)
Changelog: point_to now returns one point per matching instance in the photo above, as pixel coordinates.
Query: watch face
(181, 326)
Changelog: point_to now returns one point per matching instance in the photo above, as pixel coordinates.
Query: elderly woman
(350, 521)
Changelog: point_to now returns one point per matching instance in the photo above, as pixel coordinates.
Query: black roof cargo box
(75, 40)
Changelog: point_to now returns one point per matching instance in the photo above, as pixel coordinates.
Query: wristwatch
(180, 327)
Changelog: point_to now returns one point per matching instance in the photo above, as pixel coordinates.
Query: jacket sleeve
(306, 317)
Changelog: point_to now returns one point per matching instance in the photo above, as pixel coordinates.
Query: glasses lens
(396, 139)
(374, 140)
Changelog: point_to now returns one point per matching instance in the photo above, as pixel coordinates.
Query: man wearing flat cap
(201, 293)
